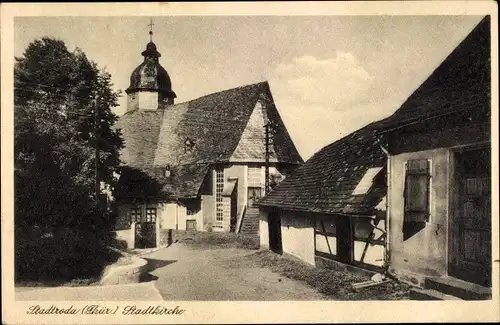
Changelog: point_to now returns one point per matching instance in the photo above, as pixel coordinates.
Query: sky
(329, 75)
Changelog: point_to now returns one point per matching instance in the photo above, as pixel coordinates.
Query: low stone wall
(125, 238)
(123, 274)
(170, 236)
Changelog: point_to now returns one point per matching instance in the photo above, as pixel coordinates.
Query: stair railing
(240, 220)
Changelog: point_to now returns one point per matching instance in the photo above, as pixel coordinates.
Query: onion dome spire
(150, 76)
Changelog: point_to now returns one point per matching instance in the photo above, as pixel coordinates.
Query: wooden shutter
(416, 193)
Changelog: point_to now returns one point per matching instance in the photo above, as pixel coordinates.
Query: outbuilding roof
(461, 82)
(329, 182)
(326, 182)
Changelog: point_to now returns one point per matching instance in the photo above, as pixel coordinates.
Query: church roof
(214, 123)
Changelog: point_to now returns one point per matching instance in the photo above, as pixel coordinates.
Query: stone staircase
(250, 222)
(450, 288)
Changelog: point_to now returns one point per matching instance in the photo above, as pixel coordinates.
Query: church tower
(150, 84)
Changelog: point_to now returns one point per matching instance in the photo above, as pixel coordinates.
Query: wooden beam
(366, 284)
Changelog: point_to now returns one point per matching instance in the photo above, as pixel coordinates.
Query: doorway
(470, 226)
(254, 195)
(274, 228)
(345, 241)
(191, 225)
(234, 210)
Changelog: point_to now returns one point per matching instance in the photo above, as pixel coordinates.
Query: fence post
(132, 234)
(158, 235)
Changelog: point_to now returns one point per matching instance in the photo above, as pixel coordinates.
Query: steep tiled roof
(140, 132)
(185, 180)
(215, 123)
(461, 82)
(325, 182)
(152, 183)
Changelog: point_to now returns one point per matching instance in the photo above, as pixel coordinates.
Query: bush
(62, 255)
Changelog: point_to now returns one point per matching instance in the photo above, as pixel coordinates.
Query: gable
(252, 144)
(462, 82)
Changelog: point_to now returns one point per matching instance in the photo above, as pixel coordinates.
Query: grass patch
(334, 283)
(84, 282)
(213, 240)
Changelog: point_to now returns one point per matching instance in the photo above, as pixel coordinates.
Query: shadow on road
(152, 265)
(147, 277)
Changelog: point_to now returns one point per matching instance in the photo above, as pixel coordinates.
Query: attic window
(188, 145)
(366, 182)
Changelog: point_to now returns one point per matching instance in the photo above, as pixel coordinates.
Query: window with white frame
(135, 214)
(151, 215)
(254, 176)
(219, 186)
(255, 185)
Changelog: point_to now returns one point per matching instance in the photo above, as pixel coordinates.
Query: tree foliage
(56, 93)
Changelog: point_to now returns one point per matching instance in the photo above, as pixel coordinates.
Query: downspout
(387, 208)
(387, 217)
(387, 220)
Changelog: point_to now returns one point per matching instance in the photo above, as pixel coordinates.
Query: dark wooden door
(345, 243)
(190, 225)
(274, 228)
(234, 210)
(473, 229)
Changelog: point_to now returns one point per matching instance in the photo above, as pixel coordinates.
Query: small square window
(188, 145)
(151, 215)
(135, 215)
(167, 171)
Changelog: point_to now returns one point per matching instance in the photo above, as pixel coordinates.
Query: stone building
(440, 182)
(424, 173)
(197, 165)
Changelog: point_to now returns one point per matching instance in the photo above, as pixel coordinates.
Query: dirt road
(182, 273)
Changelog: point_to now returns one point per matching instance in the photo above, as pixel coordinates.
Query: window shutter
(416, 193)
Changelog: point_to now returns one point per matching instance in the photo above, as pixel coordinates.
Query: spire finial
(151, 29)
